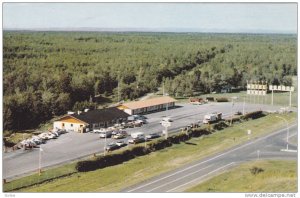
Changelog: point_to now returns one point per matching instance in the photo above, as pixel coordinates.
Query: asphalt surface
(73, 146)
(267, 147)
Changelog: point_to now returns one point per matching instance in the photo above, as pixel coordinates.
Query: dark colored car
(111, 147)
(152, 136)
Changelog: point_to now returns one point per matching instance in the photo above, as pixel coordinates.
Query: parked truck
(137, 137)
(212, 117)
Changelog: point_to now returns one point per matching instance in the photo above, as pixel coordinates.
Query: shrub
(183, 137)
(174, 139)
(196, 133)
(222, 99)
(255, 170)
(127, 155)
(220, 126)
(86, 165)
(8, 143)
(139, 151)
(253, 115)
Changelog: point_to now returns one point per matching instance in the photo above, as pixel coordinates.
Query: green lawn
(115, 178)
(278, 176)
(279, 99)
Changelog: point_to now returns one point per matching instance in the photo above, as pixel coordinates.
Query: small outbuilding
(147, 106)
(89, 120)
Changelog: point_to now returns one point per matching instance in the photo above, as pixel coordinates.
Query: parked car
(44, 136)
(136, 140)
(111, 129)
(117, 125)
(121, 143)
(99, 130)
(115, 132)
(63, 131)
(137, 135)
(24, 142)
(36, 141)
(111, 147)
(152, 136)
(51, 136)
(166, 119)
(105, 134)
(140, 121)
(123, 132)
(28, 143)
(119, 136)
(56, 134)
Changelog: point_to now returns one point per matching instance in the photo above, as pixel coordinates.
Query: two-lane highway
(267, 147)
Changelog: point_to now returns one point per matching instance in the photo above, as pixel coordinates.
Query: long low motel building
(91, 119)
(147, 106)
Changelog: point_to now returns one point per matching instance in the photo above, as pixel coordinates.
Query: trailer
(197, 101)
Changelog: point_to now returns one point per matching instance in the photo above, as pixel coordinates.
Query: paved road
(73, 146)
(267, 147)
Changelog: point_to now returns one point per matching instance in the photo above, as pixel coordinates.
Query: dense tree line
(47, 73)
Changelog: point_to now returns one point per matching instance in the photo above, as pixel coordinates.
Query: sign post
(282, 88)
(166, 124)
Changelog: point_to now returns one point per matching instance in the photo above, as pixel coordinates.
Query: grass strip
(275, 176)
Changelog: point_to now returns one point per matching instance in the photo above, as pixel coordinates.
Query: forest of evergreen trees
(47, 73)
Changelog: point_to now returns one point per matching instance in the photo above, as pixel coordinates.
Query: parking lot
(72, 146)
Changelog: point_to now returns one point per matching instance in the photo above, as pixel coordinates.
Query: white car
(36, 141)
(101, 130)
(44, 136)
(166, 119)
(121, 143)
(140, 121)
(51, 136)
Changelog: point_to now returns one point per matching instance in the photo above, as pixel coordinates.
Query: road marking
(201, 176)
(256, 140)
(180, 178)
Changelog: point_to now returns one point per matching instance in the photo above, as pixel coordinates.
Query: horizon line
(152, 30)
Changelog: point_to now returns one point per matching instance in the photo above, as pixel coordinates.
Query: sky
(194, 17)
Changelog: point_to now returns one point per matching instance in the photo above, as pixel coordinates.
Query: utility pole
(163, 89)
(40, 160)
(105, 145)
(244, 106)
(290, 98)
(272, 97)
(231, 112)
